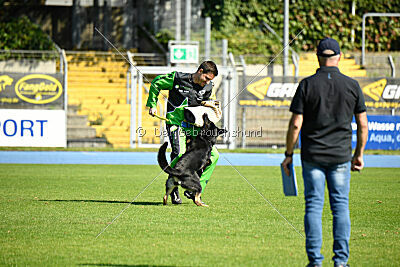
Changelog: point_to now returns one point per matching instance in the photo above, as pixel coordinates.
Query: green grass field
(51, 215)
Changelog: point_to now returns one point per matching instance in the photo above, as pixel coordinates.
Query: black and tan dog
(186, 171)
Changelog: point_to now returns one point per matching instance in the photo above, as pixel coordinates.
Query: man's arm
(161, 82)
(357, 163)
(296, 121)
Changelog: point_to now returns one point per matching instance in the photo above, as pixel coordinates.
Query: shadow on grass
(146, 203)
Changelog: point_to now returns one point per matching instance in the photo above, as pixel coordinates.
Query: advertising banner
(380, 93)
(268, 91)
(32, 128)
(19, 91)
(383, 132)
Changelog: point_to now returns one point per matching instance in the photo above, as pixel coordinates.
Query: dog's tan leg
(169, 187)
(198, 201)
(165, 199)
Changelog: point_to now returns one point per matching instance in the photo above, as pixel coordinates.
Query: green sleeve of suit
(206, 175)
(161, 82)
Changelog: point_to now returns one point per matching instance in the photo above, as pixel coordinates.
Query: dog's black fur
(186, 171)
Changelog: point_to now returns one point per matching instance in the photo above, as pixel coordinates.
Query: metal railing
(31, 61)
(392, 66)
(363, 29)
(380, 64)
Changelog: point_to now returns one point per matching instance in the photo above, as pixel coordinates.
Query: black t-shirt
(184, 87)
(183, 92)
(327, 100)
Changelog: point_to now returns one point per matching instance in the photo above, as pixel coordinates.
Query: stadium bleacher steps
(97, 85)
(79, 133)
(308, 64)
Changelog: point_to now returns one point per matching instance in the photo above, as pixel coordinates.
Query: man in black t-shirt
(323, 108)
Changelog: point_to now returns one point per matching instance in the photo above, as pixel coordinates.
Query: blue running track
(150, 158)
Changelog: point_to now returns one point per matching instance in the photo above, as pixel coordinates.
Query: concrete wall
(28, 66)
(377, 64)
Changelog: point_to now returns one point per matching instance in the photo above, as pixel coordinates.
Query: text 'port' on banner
(32, 128)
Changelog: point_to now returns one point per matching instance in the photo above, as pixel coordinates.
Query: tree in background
(241, 23)
(19, 33)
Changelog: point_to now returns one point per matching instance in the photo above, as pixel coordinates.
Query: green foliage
(163, 36)
(239, 22)
(249, 42)
(96, 118)
(21, 34)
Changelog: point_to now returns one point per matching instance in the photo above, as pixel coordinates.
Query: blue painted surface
(150, 158)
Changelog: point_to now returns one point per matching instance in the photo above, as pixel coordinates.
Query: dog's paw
(165, 200)
(201, 204)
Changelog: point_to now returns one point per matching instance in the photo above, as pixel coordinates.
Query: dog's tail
(162, 161)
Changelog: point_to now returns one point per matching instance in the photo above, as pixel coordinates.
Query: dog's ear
(205, 118)
(221, 131)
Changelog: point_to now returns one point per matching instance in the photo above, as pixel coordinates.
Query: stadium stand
(97, 85)
(79, 133)
(308, 65)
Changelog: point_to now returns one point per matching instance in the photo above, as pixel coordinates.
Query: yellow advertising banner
(31, 90)
(277, 92)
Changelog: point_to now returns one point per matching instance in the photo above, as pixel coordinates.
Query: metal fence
(250, 126)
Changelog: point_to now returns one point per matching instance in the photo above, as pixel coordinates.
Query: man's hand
(295, 124)
(285, 164)
(153, 111)
(357, 163)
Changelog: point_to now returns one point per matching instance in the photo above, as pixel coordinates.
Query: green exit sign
(184, 54)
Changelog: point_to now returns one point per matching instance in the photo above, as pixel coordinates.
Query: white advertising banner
(32, 128)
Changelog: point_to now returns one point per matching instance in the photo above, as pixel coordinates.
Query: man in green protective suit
(185, 89)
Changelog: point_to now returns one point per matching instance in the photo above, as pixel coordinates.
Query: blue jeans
(337, 177)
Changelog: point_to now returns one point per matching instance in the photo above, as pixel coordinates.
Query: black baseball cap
(328, 43)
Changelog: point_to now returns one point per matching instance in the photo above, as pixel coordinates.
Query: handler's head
(328, 52)
(205, 73)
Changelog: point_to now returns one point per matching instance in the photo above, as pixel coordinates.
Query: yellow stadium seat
(308, 65)
(97, 84)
